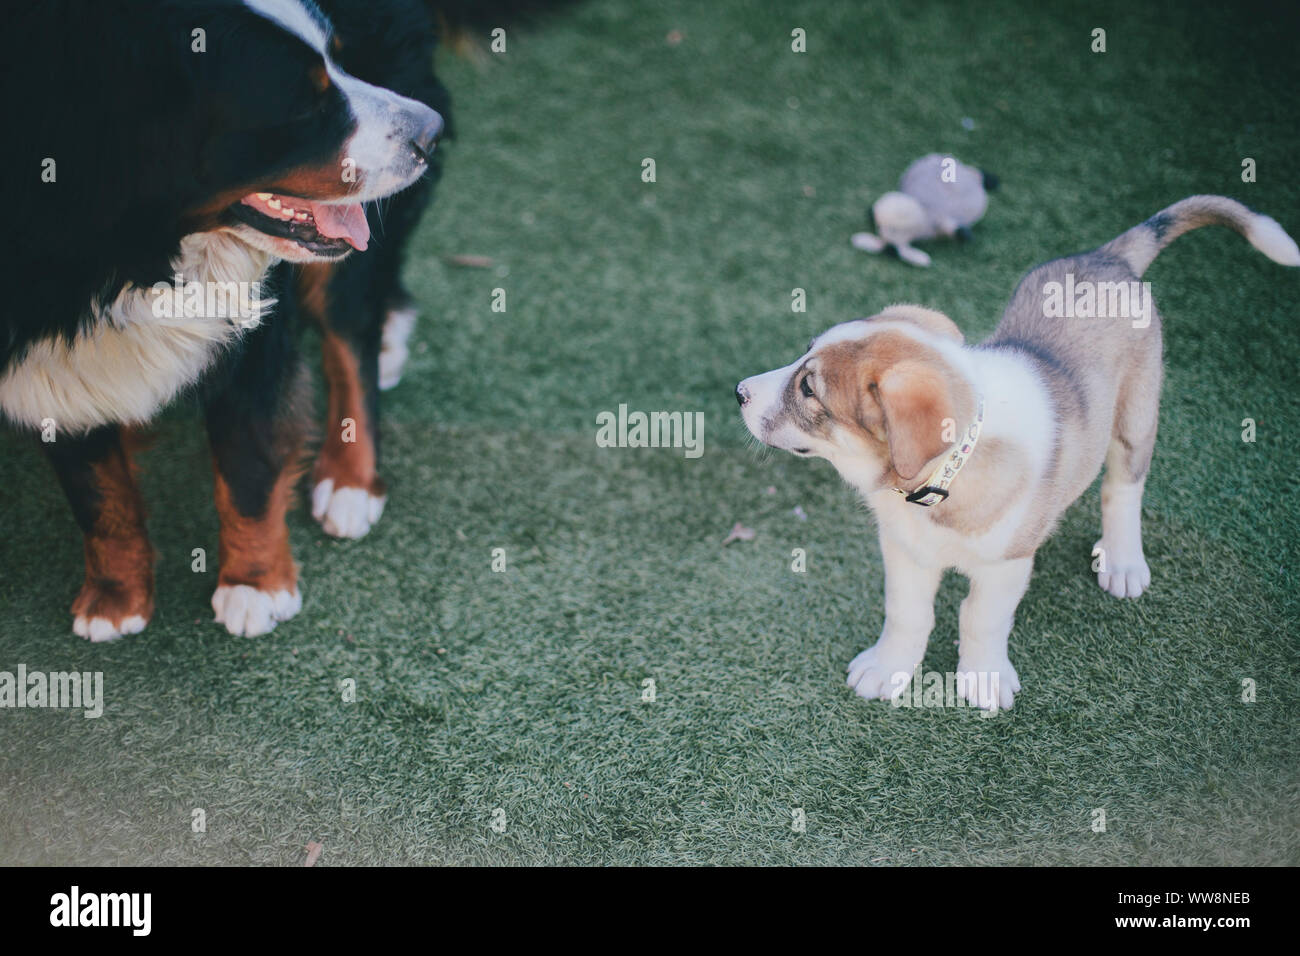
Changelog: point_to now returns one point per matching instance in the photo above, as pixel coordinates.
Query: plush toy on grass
(937, 196)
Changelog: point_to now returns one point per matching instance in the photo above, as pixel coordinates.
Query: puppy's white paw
(97, 630)
(345, 512)
(248, 612)
(393, 352)
(1125, 574)
(987, 682)
(880, 673)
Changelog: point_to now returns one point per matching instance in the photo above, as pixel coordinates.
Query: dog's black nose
(427, 139)
(742, 395)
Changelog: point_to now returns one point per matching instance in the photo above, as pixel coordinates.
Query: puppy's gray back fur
(1103, 369)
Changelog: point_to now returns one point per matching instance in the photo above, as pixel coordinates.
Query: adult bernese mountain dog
(188, 180)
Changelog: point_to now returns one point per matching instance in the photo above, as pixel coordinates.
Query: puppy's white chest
(930, 544)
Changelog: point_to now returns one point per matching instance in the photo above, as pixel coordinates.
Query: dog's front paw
(989, 683)
(1121, 573)
(247, 611)
(105, 611)
(345, 512)
(881, 672)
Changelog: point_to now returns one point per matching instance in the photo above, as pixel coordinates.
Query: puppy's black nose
(742, 395)
(427, 139)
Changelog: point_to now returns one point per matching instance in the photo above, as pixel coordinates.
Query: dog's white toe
(98, 630)
(989, 684)
(345, 512)
(249, 612)
(1125, 575)
(880, 674)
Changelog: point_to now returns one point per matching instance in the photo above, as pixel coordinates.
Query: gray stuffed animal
(937, 196)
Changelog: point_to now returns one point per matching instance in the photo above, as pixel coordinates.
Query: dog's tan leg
(257, 460)
(985, 676)
(348, 495)
(257, 586)
(1121, 565)
(883, 670)
(98, 475)
(1122, 568)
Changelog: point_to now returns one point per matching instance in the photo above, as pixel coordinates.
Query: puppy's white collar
(935, 488)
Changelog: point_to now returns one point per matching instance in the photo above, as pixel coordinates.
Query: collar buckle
(936, 486)
(927, 495)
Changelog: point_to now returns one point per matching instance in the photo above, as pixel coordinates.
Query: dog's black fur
(146, 132)
(143, 131)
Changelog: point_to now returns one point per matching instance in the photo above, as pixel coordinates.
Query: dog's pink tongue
(342, 222)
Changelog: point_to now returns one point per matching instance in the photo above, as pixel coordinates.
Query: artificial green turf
(522, 690)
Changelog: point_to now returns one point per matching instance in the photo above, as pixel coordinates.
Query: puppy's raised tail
(1141, 244)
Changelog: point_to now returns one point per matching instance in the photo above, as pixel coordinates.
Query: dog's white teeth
(263, 196)
(288, 213)
(301, 217)
(273, 203)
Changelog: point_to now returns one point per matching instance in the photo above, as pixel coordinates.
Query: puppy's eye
(805, 389)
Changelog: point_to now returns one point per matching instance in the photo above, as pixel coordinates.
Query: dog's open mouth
(322, 228)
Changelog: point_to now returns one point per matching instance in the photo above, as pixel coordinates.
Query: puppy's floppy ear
(916, 398)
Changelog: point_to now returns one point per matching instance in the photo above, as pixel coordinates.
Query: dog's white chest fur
(143, 349)
(932, 545)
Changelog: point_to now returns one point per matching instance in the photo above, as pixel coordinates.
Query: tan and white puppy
(968, 455)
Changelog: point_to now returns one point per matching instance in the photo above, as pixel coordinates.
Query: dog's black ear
(991, 181)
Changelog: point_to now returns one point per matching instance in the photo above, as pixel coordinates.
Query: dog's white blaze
(131, 362)
(766, 390)
(380, 144)
(294, 17)
(764, 404)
